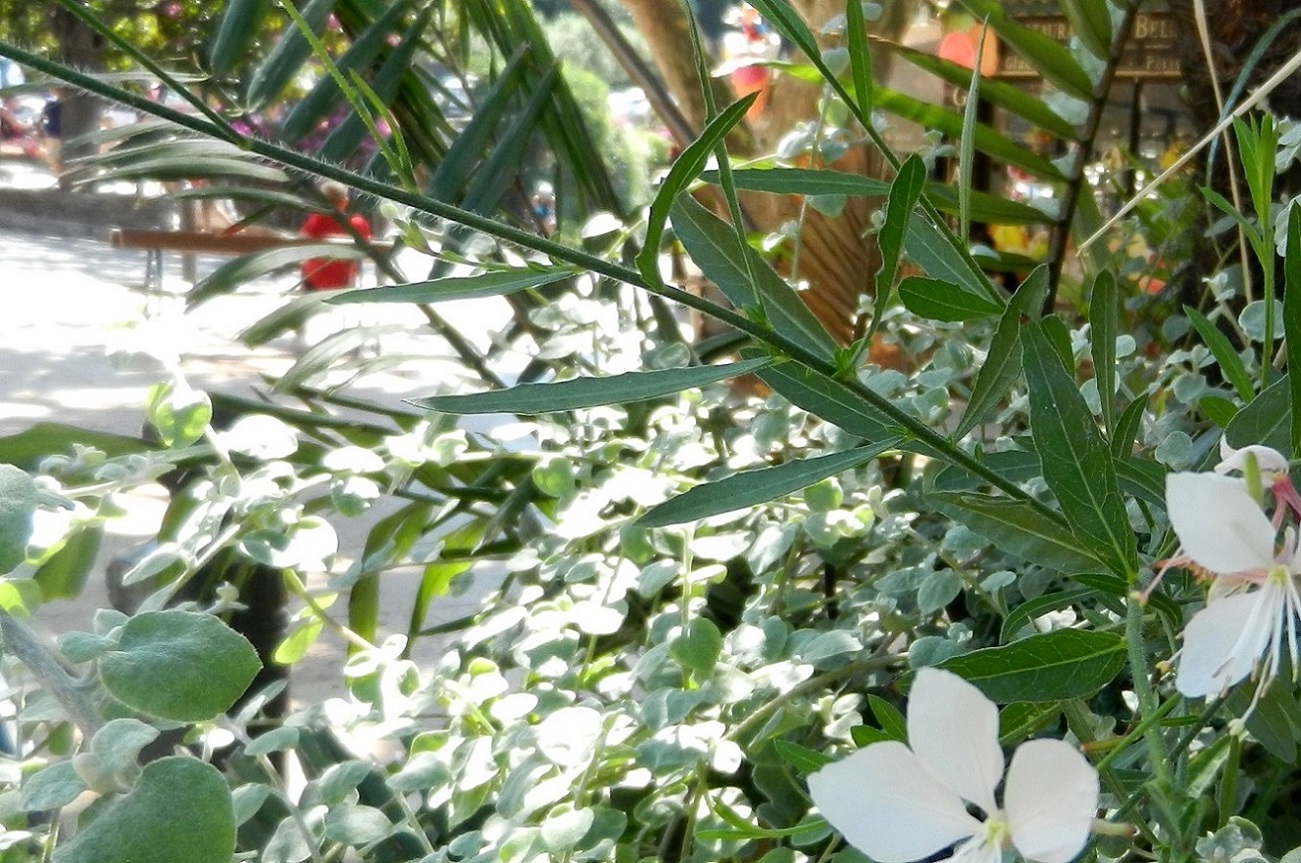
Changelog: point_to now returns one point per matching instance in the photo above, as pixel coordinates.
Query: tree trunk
(81, 48)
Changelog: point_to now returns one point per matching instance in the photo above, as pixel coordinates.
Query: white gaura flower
(896, 804)
(1270, 462)
(1253, 604)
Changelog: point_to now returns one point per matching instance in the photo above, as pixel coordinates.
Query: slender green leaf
(1131, 419)
(1235, 371)
(818, 181)
(1002, 366)
(1091, 21)
(1050, 59)
(1141, 478)
(1292, 321)
(578, 393)
(685, 169)
(925, 246)
(730, 264)
(287, 57)
(462, 159)
(1018, 529)
(967, 143)
(1077, 465)
(904, 194)
(245, 268)
(343, 141)
(1023, 615)
(1001, 94)
(939, 300)
(753, 487)
(985, 138)
(308, 112)
(287, 318)
(1055, 666)
(1104, 325)
(860, 56)
(495, 283)
(1266, 420)
(985, 207)
(239, 24)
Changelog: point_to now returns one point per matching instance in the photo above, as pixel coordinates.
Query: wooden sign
(1149, 55)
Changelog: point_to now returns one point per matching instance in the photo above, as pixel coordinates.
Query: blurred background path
(76, 346)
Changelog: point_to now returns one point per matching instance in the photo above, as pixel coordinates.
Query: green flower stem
(278, 781)
(299, 589)
(23, 644)
(778, 342)
(1117, 747)
(1077, 720)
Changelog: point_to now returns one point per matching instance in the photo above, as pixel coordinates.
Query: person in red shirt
(327, 274)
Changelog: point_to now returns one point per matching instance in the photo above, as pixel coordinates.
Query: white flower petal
(1222, 643)
(1050, 799)
(1269, 460)
(886, 805)
(953, 728)
(1219, 525)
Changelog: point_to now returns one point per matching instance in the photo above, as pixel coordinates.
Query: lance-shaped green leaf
(1266, 420)
(243, 269)
(819, 181)
(986, 138)
(1049, 58)
(343, 141)
(1019, 529)
(286, 58)
(304, 116)
(1104, 323)
(1091, 21)
(467, 151)
(753, 487)
(1235, 371)
(860, 57)
(529, 399)
(1077, 465)
(1292, 321)
(904, 194)
(729, 264)
(1001, 94)
(685, 169)
(1055, 666)
(186, 166)
(239, 24)
(939, 300)
(496, 283)
(839, 405)
(1126, 432)
(925, 246)
(1002, 366)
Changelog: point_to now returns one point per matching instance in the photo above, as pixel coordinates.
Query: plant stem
(50, 673)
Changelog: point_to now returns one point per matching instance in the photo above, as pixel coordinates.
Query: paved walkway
(76, 346)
